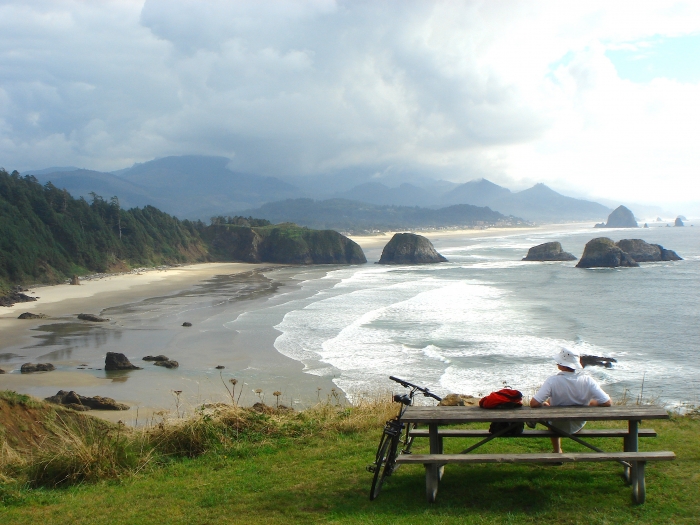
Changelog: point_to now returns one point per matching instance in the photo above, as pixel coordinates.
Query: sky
(596, 99)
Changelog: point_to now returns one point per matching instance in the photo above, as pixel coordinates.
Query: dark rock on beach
(186, 324)
(2, 371)
(30, 315)
(117, 361)
(92, 318)
(168, 363)
(78, 402)
(642, 251)
(549, 251)
(219, 367)
(29, 368)
(621, 217)
(156, 358)
(16, 296)
(75, 280)
(409, 248)
(604, 253)
(594, 360)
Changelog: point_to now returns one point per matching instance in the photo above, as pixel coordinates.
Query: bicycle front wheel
(384, 465)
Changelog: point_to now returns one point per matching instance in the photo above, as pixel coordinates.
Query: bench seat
(549, 457)
(482, 433)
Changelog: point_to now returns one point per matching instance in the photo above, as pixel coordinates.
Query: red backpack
(504, 398)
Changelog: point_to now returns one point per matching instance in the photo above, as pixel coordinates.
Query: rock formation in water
(117, 361)
(604, 253)
(409, 248)
(16, 296)
(594, 360)
(186, 324)
(621, 217)
(29, 368)
(30, 315)
(549, 251)
(642, 251)
(78, 402)
(679, 222)
(92, 318)
(162, 360)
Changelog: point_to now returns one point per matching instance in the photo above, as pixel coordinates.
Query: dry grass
(83, 449)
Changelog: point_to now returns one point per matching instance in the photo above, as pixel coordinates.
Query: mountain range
(199, 187)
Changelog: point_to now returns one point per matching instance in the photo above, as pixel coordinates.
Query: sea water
(486, 319)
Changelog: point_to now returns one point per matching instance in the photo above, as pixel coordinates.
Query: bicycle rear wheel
(384, 464)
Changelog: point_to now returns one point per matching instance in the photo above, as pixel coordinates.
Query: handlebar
(425, 391)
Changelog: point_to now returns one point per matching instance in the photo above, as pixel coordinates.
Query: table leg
(433, 472)
(639, 490)
(631, 445)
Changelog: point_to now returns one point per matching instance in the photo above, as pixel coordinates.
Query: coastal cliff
(409, 248)
(282, 243)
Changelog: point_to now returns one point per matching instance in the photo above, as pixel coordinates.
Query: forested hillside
(46, 235)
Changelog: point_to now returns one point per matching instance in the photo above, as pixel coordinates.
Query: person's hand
(545, 404)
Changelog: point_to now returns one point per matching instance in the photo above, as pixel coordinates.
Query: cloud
(514, 91)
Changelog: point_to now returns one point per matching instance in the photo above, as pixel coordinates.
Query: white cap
(569, 359)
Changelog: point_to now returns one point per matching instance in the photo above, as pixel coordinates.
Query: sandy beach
(233, 310)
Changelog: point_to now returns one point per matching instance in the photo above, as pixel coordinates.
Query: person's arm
(598, 398)
(540, 399)
(536, 404)
(595, 403)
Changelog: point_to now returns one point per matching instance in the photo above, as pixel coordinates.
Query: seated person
(569, 388)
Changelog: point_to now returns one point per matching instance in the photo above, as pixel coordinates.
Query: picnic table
(438, 417)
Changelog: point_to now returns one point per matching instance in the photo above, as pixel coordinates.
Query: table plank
(454, 415)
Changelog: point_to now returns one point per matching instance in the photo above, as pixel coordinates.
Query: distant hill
(346, 215)
(189, 186)
(479, 192)
(377, 193)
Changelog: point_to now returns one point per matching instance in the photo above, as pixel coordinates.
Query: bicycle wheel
(384, 464)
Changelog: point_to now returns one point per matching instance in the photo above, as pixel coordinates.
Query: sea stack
(117, 361)
(621, 217)
(409, 248)
(679, 222)
(642, 251)
(604, 253)
(549, 251)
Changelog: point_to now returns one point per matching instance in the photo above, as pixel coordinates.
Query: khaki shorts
(570, 426)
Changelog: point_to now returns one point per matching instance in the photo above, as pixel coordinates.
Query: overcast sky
(594, 98)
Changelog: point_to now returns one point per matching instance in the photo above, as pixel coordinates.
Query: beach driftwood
(117, 361)
(29, 368)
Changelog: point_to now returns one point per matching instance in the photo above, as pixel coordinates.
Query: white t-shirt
(569, 388)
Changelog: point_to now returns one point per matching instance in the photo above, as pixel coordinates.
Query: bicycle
(388, 450)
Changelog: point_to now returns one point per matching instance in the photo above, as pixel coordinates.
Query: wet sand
(146, 313)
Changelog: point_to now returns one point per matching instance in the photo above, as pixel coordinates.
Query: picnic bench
(632, 460)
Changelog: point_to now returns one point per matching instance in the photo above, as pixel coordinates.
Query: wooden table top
(453, 415)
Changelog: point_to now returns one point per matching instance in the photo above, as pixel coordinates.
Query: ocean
(487, 319)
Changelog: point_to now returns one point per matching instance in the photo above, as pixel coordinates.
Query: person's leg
(556, 445)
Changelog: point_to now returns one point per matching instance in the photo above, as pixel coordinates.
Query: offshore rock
(117, 361)
(92, 318)
(16, 296)
(30, 315)
(604, 253)
(167, 363)
(642, 251)
(549, 251)
(78, 402)
(459, 400)
(160, 357)
(594, 360)
(186, 323)
(621, 217)
(679, 222)
(409, 248)
(29, 368)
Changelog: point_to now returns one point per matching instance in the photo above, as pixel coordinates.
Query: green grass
(305, 471)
